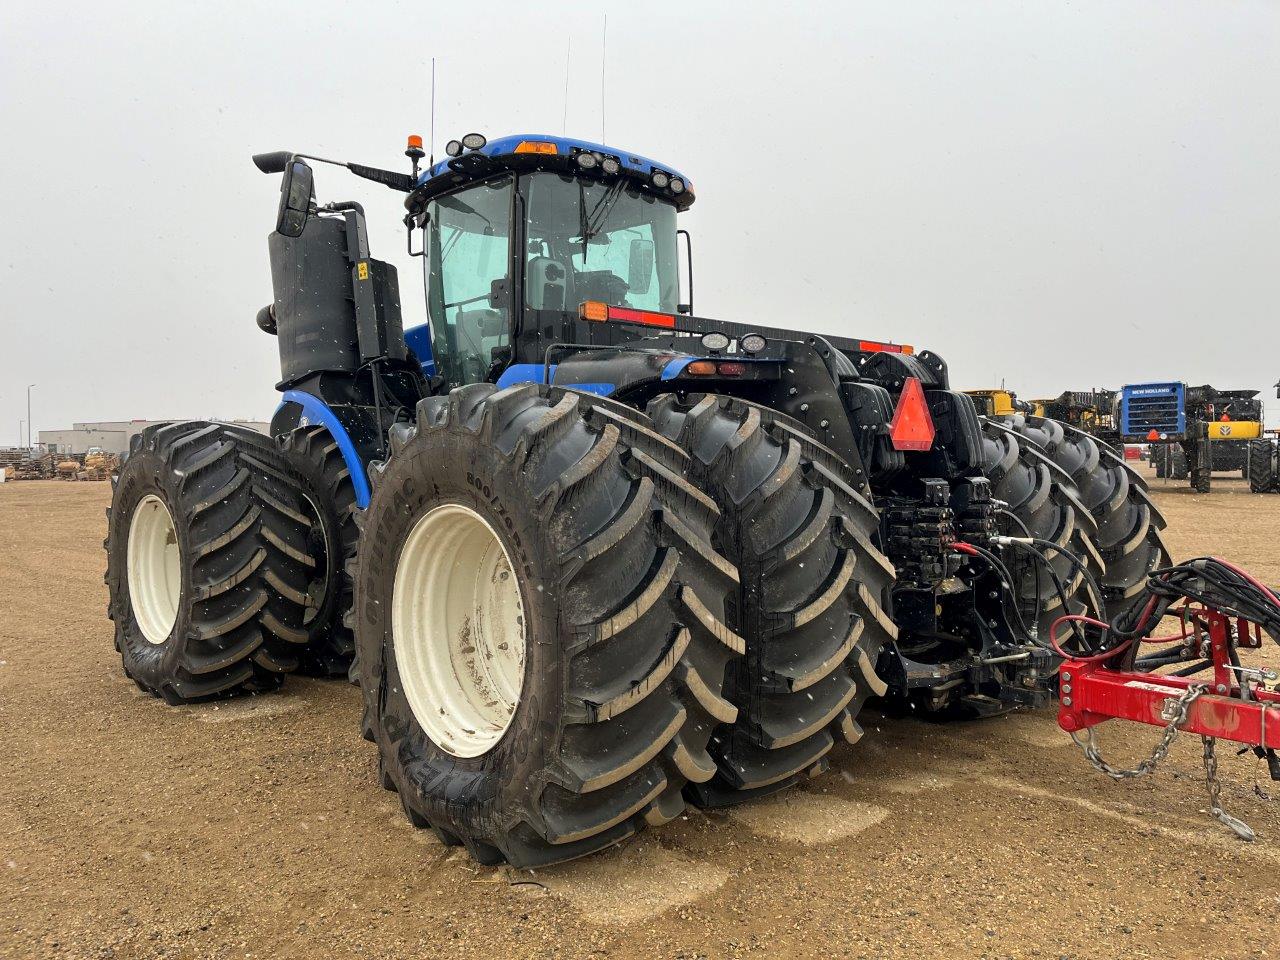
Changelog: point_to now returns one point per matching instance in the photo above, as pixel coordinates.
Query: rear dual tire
(810, 603)
(1043, 500)
(1125, 523)
(620, 599)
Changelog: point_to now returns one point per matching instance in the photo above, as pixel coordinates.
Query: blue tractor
(589, 555)
(1195, 431)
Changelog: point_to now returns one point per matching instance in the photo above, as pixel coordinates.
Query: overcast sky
(1057, 195)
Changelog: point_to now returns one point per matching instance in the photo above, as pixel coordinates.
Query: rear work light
(912, 426)
(600, 312)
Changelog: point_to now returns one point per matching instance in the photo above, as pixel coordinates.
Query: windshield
(598, 240)
(468, 247)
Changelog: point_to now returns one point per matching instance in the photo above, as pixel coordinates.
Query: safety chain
(1175, 713)
(1242, 829)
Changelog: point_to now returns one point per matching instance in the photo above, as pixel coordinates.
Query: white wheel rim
(457, 622)
(155, 569)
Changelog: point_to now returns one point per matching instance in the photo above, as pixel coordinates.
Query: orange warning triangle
(912, 426)
(1153, 434)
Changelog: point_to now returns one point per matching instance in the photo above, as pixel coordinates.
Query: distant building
(112, 436)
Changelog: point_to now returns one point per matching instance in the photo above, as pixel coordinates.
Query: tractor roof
(536, 151)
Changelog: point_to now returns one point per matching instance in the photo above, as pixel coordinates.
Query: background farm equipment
(1195, 431)
(1000, 403)
(589, 555)
(1093, 411)
(1089, 411)
(1264, 461)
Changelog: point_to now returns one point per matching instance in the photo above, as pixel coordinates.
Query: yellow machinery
(1000, 403)
(1233, 430)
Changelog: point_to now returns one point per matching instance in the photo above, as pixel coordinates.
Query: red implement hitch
(1235, 706)
(1222, 610)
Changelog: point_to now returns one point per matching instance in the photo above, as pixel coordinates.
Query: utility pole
(20, 423)
(29, 386)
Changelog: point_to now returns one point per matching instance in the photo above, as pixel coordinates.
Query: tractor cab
(519, 233)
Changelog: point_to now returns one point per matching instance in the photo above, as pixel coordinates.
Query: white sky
(1057, 195)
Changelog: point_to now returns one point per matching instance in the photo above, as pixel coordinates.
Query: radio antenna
(604, 38)
(431, 145)
(568, 51)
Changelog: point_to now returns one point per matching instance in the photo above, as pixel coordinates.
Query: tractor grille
(1153, 406)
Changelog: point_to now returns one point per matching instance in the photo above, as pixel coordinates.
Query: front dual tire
(540, 623)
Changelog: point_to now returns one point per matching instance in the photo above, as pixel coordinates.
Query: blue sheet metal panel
(1153, 406)
(316, 411)
(419, 341)
(524, 373)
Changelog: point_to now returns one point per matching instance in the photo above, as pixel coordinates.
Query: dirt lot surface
(255, 828)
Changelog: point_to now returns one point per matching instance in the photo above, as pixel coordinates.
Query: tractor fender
(299, 409)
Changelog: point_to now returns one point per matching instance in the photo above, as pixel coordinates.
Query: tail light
(711, 368)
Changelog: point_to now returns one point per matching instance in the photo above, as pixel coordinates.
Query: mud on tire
(623, 609)
(810, 604)
(197, 615)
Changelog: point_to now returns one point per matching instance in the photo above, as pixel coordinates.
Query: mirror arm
(277, 161)
(687, 308)
(409, 225)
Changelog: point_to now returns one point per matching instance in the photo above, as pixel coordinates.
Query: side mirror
(640, 266)
(295, 199)
(272, 162)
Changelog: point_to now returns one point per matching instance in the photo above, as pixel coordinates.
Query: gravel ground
(255, 827)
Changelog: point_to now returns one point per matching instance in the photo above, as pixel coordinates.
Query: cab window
(468, 247)
(598, 240)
